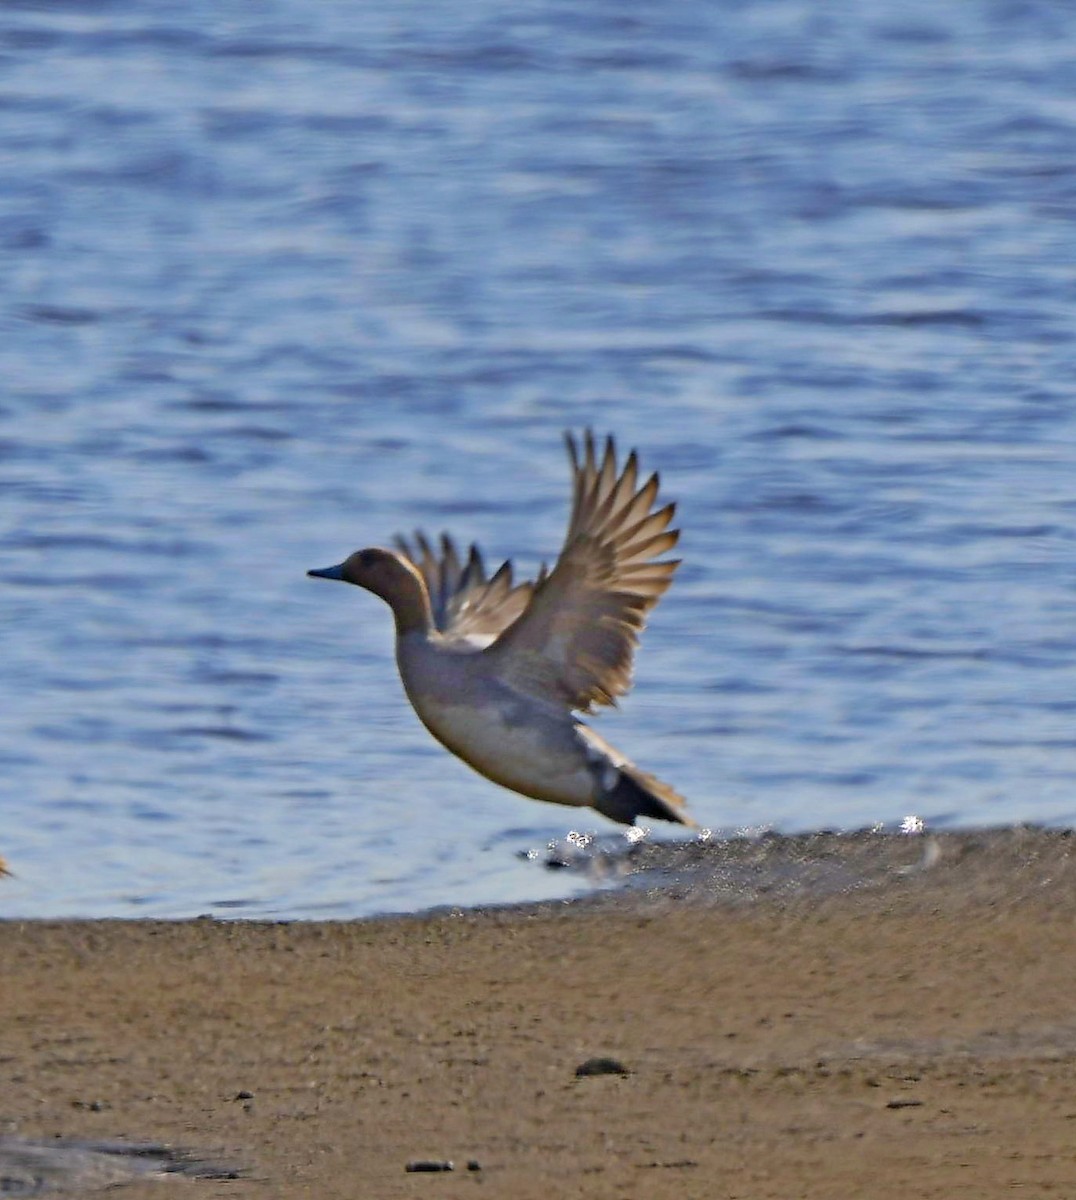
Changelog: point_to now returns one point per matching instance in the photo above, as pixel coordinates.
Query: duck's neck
(411, 609)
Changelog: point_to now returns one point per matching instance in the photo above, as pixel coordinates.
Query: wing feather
(575, 642)
(467, 604)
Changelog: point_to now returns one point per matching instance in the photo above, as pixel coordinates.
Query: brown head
(390, 576)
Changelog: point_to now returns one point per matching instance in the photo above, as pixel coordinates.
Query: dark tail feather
(637, 794)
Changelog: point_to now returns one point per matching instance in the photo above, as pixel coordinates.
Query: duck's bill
(336, 572)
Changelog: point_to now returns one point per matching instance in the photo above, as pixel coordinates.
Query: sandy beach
(878, 1017)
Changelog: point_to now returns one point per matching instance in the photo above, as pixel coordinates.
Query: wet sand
(882, 1017)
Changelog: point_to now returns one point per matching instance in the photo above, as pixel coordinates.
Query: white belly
(545, 762)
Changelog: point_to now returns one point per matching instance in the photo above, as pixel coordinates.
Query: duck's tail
(639, 794)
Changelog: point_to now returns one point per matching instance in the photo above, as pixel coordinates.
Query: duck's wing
(468, 605)
(574, 643)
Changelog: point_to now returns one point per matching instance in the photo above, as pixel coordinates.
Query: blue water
(282, 279)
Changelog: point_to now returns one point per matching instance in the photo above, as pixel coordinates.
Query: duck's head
(388, 575)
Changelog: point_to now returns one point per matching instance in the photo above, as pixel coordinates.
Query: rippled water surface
(283, 279)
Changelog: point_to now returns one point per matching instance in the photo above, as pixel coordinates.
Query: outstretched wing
(574, 643)
(468, 606)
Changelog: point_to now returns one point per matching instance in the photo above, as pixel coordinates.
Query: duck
(501, 672)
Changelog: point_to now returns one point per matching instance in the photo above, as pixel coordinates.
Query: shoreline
(817, 1016)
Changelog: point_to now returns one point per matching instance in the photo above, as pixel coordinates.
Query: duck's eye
(366, 558)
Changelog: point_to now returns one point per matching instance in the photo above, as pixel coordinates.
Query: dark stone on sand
(601, 1066)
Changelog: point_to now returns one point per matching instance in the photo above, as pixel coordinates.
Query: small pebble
(601, 1066)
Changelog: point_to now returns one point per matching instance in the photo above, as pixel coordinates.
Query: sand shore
(867, 1019)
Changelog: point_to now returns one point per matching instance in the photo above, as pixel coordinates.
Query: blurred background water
(281, 279)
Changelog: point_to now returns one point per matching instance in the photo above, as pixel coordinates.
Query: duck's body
(517, 742)
(496, 670)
